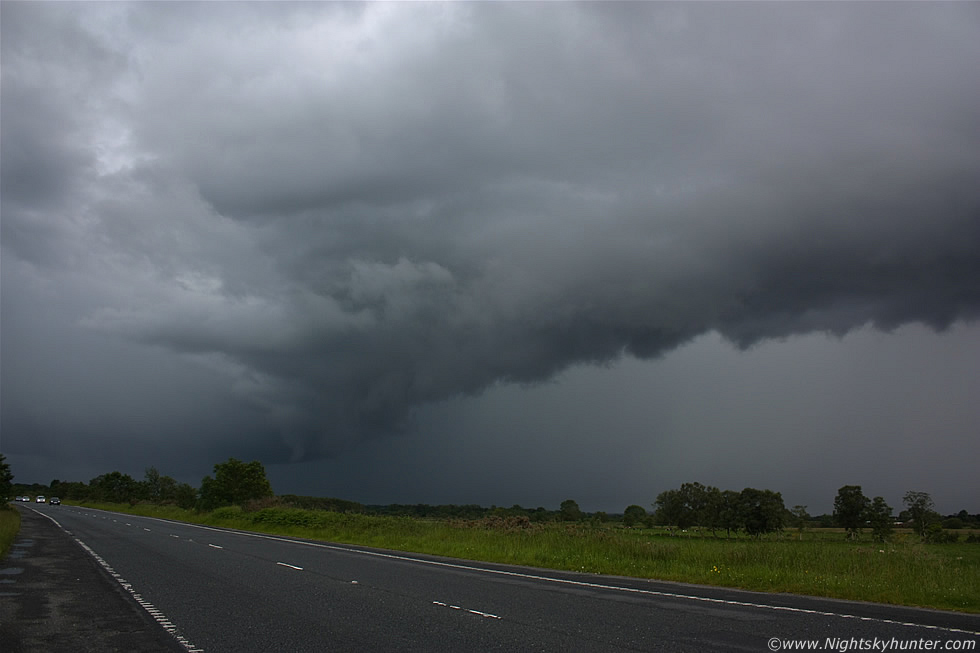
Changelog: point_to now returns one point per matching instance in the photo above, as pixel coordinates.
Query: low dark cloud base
(352, 214)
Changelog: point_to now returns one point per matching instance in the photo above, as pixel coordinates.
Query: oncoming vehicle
(54, 501)
(40, 499)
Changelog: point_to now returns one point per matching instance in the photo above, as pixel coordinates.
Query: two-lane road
(221, 590)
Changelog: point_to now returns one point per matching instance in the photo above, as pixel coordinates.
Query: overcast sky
(495, 253)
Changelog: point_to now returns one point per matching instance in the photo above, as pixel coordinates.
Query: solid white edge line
(578, 583)
(158, 616)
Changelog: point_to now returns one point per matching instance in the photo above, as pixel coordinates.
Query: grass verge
(904, 572)
(9, 527)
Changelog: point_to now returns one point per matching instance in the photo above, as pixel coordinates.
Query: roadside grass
(903, 572)
(9, 527)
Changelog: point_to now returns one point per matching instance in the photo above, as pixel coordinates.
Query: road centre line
(576, 583)
(476, 612)
(215, 546)
(286, 564)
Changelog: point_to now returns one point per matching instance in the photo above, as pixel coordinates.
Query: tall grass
(9, 527)
(943, 576)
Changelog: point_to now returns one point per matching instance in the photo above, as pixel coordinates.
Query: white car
(40, 499)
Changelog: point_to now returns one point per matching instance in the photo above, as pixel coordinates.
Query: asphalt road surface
(208, 589)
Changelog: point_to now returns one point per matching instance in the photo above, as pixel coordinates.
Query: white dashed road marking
(158, 616)
(579, 583)
(486, 615)
(284, 564)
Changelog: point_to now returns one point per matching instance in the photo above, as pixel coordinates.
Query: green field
(904, 571)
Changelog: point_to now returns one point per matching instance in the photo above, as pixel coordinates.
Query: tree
(670, 509)
(6, 478)
(634, 515)
(880, 517)
(850, 509)
(921, 510)
(570, 511)
(234, 483)
(114, 487)
(762, 511)
(729, 512)
(693, 504)
(800, 518)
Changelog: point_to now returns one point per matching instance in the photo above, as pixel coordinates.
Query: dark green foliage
(801, 518)
(935, 534)
(234, 483)
(670, 509)
(114, 487)
(634, 516)
(6, 478)
(323, 503)
(921, 510)
(880, 517)
(693, 504)
(729, 512)
(762, 511)
(754, 511)
(850, 509)
(569, 511)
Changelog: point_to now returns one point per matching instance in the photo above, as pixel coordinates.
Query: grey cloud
(352, 213)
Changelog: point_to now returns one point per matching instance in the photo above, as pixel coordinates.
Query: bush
(936, 535)
(228, 512)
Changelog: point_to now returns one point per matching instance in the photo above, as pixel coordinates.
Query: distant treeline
(691, 506)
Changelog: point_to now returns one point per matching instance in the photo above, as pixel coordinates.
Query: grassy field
(905, 571)
(9, 526)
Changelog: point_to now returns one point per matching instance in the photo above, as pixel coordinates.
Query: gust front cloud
(350, 214)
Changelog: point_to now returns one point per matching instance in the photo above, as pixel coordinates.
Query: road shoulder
(55, 597)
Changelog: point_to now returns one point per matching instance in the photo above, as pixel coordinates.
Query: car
(40, 499)
(54, 501)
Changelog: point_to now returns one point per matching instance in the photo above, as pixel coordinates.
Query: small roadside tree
(6, 479)
(234, 483)
(114, 487)
(850, 509)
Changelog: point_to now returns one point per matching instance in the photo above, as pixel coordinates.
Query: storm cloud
(286, 229)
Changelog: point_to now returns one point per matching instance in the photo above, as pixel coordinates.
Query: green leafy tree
(693, 504)
(163, 489)
(920, 509)
(880, 517)
(6, 478)
(114, 487)
(670, 509)
(185, 496)
(234, 483)
(800, 519)
(850, 509)
(634, 516)
(569, 511)
(729, 512)
(762, 511)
